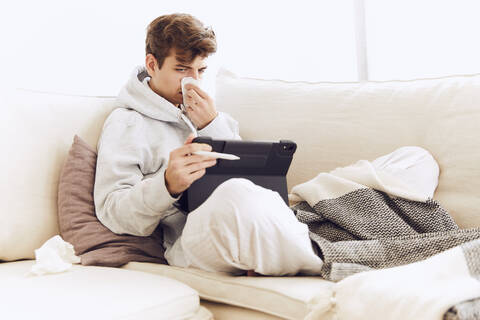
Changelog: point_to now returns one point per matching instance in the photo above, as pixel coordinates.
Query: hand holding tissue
(54, 256)
(197, 104)
(186, 81)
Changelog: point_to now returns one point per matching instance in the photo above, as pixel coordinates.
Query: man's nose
(194, 74)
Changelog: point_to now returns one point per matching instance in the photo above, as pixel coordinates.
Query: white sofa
(333, 124)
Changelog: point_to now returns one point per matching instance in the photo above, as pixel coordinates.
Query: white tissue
(185, 81)
(55, 255)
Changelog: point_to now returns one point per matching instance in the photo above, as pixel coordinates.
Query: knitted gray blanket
(361, 219)
(366, 229)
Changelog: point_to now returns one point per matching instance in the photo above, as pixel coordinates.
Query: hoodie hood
(138, 95)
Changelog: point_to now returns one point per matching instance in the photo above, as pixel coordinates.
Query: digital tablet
(264, 163)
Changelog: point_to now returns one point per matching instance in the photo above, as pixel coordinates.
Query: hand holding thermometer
(217, 155)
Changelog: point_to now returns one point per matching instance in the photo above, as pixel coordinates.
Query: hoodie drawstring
(187, 121)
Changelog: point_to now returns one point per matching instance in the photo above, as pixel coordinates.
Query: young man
(145, 162)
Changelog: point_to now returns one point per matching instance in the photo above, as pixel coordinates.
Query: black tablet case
(264, 163)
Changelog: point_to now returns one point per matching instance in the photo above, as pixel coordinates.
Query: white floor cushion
(285, 297)
(94, 293)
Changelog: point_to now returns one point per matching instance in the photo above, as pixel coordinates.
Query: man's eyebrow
(187, 67)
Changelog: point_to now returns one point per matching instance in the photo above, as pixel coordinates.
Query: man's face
(166, 81)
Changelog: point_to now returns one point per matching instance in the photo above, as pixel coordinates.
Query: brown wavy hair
(182, 32)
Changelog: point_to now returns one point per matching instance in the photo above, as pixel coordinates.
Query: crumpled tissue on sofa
(54, 256)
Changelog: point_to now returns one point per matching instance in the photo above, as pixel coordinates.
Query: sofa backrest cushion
(92, 241)
(36, 133)
(333, 124)
(336, 124)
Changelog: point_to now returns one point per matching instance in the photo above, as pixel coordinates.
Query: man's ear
(151, 64)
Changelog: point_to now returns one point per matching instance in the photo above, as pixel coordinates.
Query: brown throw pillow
(92, 241)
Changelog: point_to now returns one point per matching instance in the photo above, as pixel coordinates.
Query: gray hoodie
(133, 152)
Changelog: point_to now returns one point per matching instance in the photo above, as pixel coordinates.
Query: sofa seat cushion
(87, 292)
(222, 311)
(285, 297)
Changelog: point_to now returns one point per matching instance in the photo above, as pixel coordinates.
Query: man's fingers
(190, 138)
(194, 101)
(194, 167)
(197, 90)
(191, 148)
(195, 97)
(188, 149)
(196, 158)
(197, 175)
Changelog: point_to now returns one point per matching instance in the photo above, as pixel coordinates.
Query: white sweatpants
(243, 226)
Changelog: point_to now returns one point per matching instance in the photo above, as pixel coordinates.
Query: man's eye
(181, 70)
(202, 70)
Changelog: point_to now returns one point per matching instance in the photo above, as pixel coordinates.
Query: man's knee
(239, 200)
(239, 191)
(235, 184)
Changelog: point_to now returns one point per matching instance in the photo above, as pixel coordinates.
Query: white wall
(422, 38)
(91, 46)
